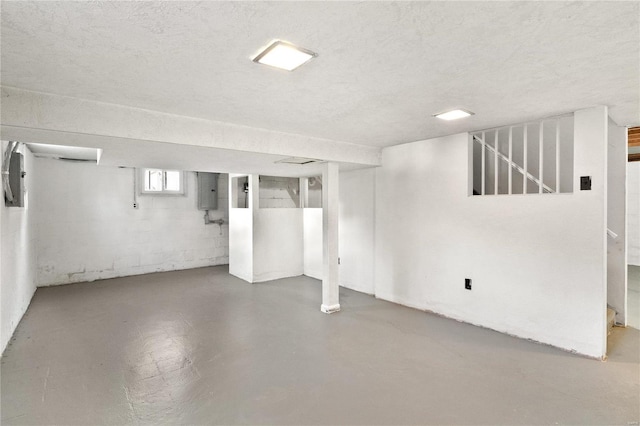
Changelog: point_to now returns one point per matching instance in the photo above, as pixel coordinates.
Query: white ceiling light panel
(453, 115)
(283, 55)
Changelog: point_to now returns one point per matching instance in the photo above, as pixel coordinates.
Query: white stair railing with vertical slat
(512, 164)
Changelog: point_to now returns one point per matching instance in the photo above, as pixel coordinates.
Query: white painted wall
(357, 228)
(241, 243)
(241, 226)
(264, 244)
(538, 263)
(18, 255)
(633, 213)
(88, 229)
(616, 220)
(277, 244)
(312, 222)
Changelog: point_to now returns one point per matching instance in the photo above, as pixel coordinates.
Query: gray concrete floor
(202, 347)
(633, 296)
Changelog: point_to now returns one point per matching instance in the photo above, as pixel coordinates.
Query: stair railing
(511, 163)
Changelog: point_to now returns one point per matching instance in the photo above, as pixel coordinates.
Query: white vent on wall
(298, 160)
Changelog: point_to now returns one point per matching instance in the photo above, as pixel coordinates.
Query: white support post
(557, 156)
(482, 190)
(510, 160)
(524, 160)
(330, 205)
(541, 159)
(495, 160)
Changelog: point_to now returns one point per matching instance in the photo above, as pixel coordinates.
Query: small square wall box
(585, 183)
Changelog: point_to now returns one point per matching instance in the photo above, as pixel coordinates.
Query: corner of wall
(17, 256)
(539, 261)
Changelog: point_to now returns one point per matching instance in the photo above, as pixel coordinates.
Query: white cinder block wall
(279, 192)
(18, 255)
(633, 213)
(88, 229)
(537, 263)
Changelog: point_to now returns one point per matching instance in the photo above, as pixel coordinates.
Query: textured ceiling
(383, 67)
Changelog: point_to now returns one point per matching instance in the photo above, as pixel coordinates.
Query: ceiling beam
(22, 109)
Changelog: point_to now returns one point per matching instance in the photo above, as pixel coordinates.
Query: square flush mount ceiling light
(453, 115)
(283, 55)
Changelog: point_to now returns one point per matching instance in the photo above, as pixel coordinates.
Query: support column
(330, 204)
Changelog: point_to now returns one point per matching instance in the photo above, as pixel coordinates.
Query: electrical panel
(207, 191)
(16, 180)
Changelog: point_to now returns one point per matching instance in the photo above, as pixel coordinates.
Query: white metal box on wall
(207, 191)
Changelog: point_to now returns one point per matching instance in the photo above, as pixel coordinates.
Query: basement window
(165, 182)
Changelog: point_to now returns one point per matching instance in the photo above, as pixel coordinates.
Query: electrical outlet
(467, 283)
(135, 205)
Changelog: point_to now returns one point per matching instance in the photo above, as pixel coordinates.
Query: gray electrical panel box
(16, 181)
(207, 191)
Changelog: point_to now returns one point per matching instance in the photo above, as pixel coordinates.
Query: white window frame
(183, 183)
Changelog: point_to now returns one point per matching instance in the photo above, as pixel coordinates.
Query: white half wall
(87, 227)
(357, 228)
(264, 243)
(241, 227)
(241, 243)
(617, 220)
(537, 263)
(18, 254)
(312, 220)
(633, 213)
(277, 244)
